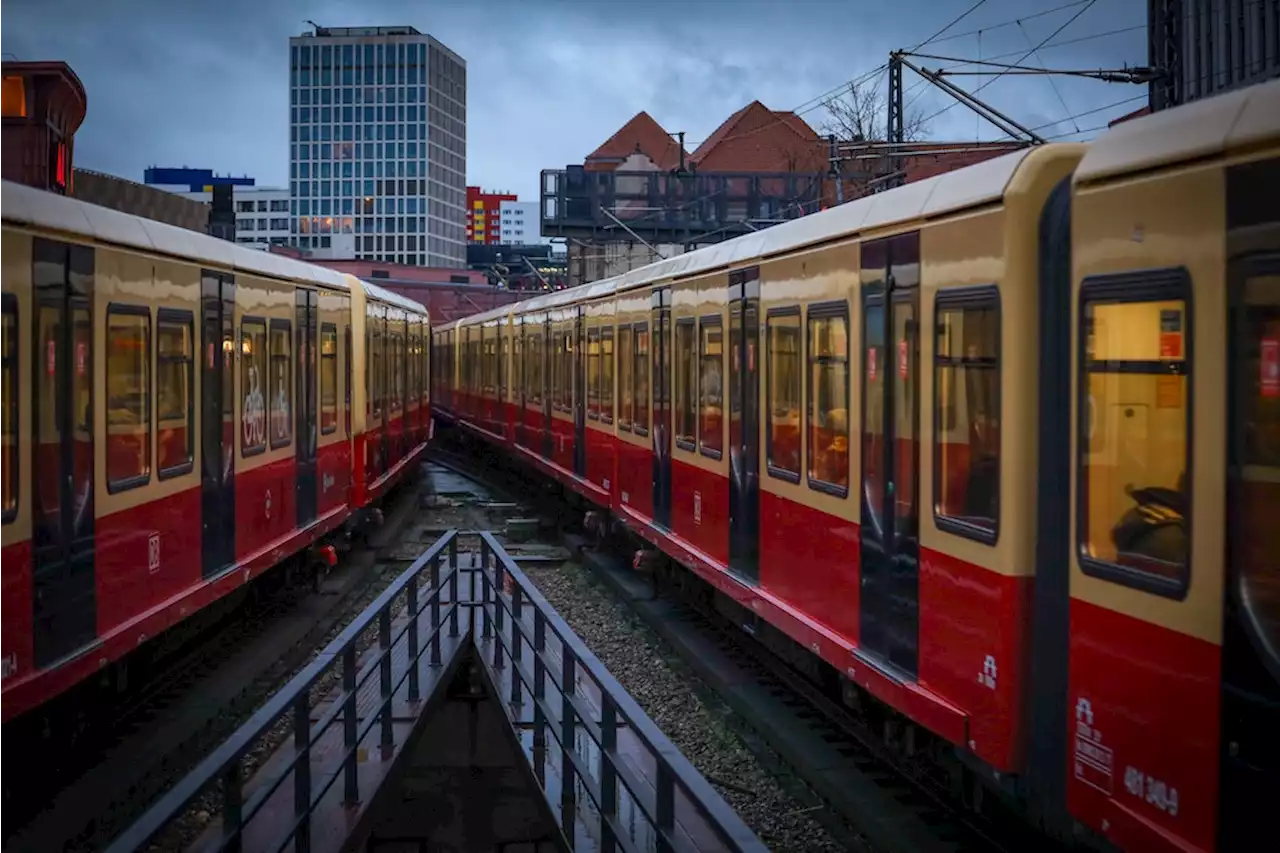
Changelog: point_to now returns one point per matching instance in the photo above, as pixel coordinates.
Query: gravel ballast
(698, 723)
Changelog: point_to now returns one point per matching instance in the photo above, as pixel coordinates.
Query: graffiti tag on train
(255, 423)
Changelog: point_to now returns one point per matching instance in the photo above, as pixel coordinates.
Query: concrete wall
(140, 200)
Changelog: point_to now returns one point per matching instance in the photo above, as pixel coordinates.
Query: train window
(606, 374)
(279, 384)
(533, 355)
(175, 383)
(9, 395)
(253, 366)
(828, 422)
(503, 347)
(593, 373)
(710, 401)
(966, 415)
(397, 357)
(625, 365)
(375, 369)
(1134, 419)
(328, 378)
(784, 406)
(559, 388)
(489, 342)
(640, 376)
(686, 389)
(128, 397)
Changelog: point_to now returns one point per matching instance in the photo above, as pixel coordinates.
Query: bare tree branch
(859, 113)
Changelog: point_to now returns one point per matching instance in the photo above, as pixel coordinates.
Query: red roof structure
(757, 139)
(641, 134)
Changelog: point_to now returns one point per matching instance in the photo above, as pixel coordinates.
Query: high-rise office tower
(378, 146)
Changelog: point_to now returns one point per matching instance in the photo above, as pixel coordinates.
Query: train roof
(30, 206)
(971, 186)
(392, 298)
(1204, 128)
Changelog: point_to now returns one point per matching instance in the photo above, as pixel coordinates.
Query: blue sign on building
(196, 179)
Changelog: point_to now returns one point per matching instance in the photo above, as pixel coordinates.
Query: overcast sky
(180, 82)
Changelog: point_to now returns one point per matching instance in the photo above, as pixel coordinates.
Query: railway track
(870, 794)
(166, 726)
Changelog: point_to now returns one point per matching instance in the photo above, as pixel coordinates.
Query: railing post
(568, 741)
(517, 641)
(665, 789)
(434, 641)
(485, 630)
(608, 775)
(232, 801)
(499, 620)
(539, 692)
(384, 673)
(350, 728)
(453, 587)
(302, 772)
(415, 621)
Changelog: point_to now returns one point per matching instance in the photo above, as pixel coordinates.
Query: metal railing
(224, 766)
(512, 626)
(506, 632)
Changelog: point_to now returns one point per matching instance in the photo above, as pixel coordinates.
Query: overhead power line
(955, 21)
(1022, 59)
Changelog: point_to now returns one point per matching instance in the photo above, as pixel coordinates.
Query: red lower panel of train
(974, 632)
(1143, 754)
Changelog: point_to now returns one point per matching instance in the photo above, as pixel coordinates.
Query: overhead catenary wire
(1089, 5)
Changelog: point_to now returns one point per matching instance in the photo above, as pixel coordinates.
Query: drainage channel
(462, 621)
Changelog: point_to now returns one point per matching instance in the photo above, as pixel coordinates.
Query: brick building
(43, 105)
(639, 196)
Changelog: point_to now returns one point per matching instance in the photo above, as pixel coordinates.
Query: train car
(177, 420)
(942, 439)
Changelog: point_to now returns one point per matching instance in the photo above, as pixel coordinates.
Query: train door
(889, 542)
(1251, 630)
(217, 424)
(305, 403)
(65, 607)
(744, 423)
(660, 346)
(580, 394)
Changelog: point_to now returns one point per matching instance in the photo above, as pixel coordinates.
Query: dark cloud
(205, 84)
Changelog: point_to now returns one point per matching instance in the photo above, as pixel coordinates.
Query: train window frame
(639, 363)
(689, 383)
(779, 472)
(247, 450)
(625, 386)
(974, 297)
(816, 313)
(1153, 285)
(133, 481)
(9, 369)
(286, 326)
(329, 329)
(608, 374)
(177, 317)
(715, 321)
(593, 382)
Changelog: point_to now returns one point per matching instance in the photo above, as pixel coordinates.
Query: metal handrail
(224, 763)
(673, 769)
(487, 611)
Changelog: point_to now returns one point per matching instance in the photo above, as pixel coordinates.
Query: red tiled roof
(641, 134)
(757, 139)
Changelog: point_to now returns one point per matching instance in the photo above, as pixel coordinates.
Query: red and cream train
(1001, 448)
(180, 415)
